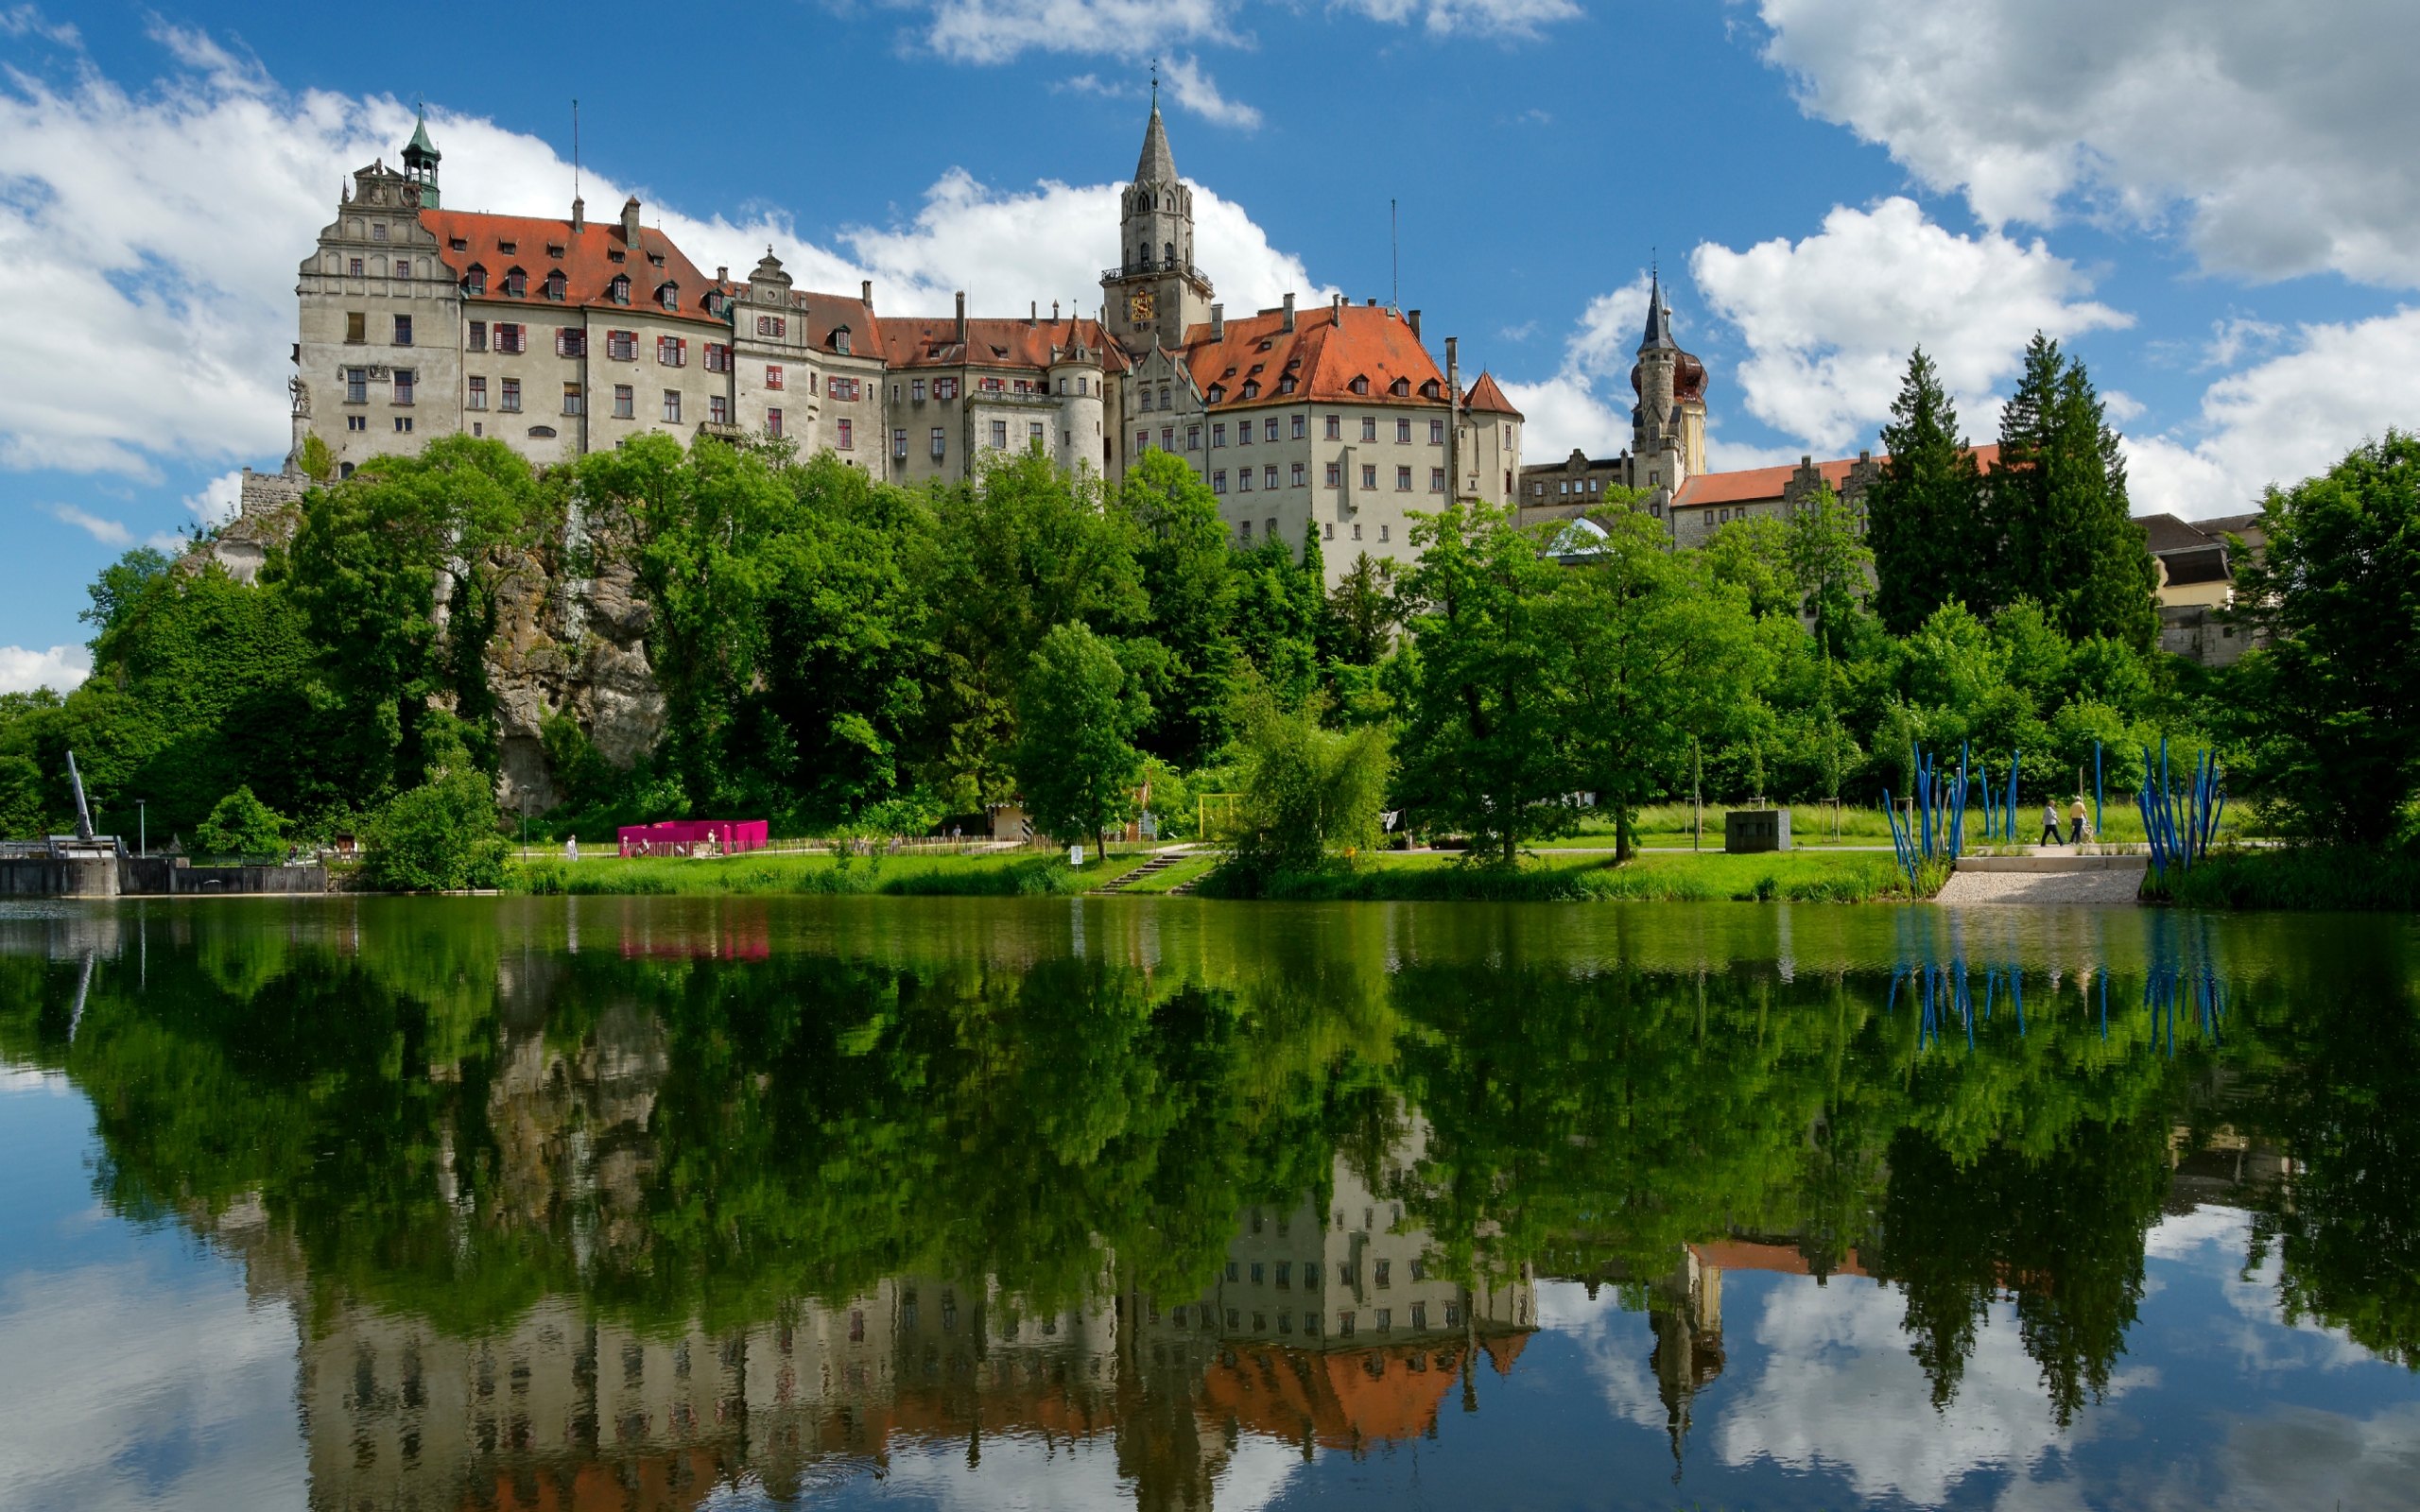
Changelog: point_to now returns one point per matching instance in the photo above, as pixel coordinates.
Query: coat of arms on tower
(1140, 305)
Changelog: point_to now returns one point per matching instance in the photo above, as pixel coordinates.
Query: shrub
(241, 825)
(439, 837)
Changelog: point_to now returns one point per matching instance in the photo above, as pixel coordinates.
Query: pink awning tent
(680, 837)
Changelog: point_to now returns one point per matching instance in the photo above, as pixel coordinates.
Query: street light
(142, 828)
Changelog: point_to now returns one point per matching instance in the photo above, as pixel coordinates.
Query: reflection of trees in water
(455, 1130)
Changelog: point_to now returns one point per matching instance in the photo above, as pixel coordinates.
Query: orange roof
(1756, 484)
(1503, 1349)
(587, 264)
(931, 341)
(1486, 397)
(1740, 1254)
(821, 314)
(1321, 354)
(1346, 1398)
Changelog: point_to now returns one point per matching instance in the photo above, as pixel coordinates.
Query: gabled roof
(1761, 483)
(821, 315)
(2165, 533)
(931, 341)
(588, 271)
(1486, 398)
(1323, 353)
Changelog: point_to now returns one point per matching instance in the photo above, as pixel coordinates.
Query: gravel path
(2111, 885)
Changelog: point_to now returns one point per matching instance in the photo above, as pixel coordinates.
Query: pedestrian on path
(2075, 821)
(2050, 821)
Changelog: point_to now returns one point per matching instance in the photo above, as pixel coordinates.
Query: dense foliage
(843, 655)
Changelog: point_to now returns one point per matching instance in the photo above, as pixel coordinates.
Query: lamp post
(142, 828)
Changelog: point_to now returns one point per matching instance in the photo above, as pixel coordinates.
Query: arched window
(668, 296)
(1170, 252)
(619, 290)
(555, 284)
(476, 280)
(516, 282)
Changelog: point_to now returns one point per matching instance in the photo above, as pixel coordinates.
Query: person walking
(571, 848)
(2050, 821)
(2075, 821)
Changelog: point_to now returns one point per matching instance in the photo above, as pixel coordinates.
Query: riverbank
(2334, 879)
(1004, 874)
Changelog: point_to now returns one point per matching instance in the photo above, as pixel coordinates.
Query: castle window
(1298, 478)
(477, 340)
(1335, 427)
(1286, 384)
(1382, 534)
(716, 304)
(1000, 437)
(1168, 252)
(1252, 388)
(1403, 480)
(657, 258)
(1033, 432)
(1361, 386)
(668, 296)
(1268, 430)
(773, 376)
(516, 284)
(356, 385)
(845, 388)
(1218, 481)
(941, 443)
(511, 338)
(1435, 433)
(1193, 438)
(1164, 396)
(899, 443)
(1428, 390)
(1218, 435)
(1401, 389)
(1369, 474)
(944, 389)
(571, 399)
(625, 403)
(772, 325)
(476, 280)
(402, 423)
(478, 394)
(571, 341)
(619, 290)
(356, 267)
(840, 340)
(1080, 380)
(1268, 477)
(403, 267)
(774, 423)
(1142, 440)
(916, 390)
(378, 231)
(356, 327)
(1243, 480)
(1218, 394)
(555, 284)
(672, 413)
(1369, 427)
(1335, 474)
(1403, 433)
(508, 397)
(1302, 425)
(508, 248)
(846, 438)
(554, 248)
(404, 385)
(1436, 480)
(1243, 433)
(458, 245)
(671, 352)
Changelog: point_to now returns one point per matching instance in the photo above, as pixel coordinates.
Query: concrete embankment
(2044, 879)
(104, 876)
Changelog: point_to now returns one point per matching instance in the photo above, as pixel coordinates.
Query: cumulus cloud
(1520, 18)
(1829, 321)
(59, 669)
(164, 229)
(219, 499)
(1195, 90)
(1586, 404)
(996, 31)
(2279, 136)
(2284, 419)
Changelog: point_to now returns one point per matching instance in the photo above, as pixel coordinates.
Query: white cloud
(1829, 321)
(2287, 419)
(995, 31)
(108, 532)
(164, 229)
(1515, 18)
(60, 668)
(1586, 404)
(2232, 338)
(219, 500)
(1196, 92)
(2280, 135)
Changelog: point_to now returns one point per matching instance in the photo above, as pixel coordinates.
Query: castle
(564, 336)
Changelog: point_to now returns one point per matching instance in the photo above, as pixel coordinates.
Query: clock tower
(1155, 291)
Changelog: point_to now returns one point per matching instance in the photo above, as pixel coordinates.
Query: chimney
(630, 220)
(1289, 312)
(1412, 318)
(961, 318)
(723, 275)
(865, 293)
(1033, 312)
(579, 214)
(1217, 322)
(1054, 312)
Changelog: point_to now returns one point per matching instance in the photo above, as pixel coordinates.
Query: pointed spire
(420, 151)
(1659, 319)
(1157, 164)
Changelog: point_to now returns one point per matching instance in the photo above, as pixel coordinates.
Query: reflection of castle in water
(1321, 1327)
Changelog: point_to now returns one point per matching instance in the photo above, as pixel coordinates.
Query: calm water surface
(664, 1203)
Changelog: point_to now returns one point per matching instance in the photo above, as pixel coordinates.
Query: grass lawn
(1806, 876)
(1169, 879)
(1015, 873)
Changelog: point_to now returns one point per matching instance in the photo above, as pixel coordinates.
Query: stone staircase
(1159, 863)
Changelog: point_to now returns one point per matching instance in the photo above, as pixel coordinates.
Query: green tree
(1308, 792)
(2067, 534)
(241, 825)
(119, 588)
(1188, 575)
(1366, 610)
(1486, 746)
(1077, 713)
(1659, 652)
(2328, 709)
(442, 834)
(1753, 556)
(1927, 514)
(1830, 562)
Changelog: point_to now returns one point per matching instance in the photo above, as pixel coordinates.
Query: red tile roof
(821, 315)
(921, 342)
(1486, 397)
(1741, 1254)
(588, 270)
(1321, 353)
(1758, 484)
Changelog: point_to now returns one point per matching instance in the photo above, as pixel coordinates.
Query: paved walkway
(2045, 877)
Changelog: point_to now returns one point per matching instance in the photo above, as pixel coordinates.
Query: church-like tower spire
(420, 164)
(1155, 291)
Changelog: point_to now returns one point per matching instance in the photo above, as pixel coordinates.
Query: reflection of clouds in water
(1026, 1474)
(1838, 1388)
(34, 1079)
(2213, 1241)
(127, 1387)
(2300, 1457)
(1614, 1346)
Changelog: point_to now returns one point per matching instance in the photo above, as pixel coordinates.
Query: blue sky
(2214, 201)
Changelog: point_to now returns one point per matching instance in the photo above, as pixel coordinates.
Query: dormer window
(668, 296)
(657, 258)
(459, 244)
(1218, 394)
(516, 284)
(1428, 390)
(615, 256)
(1361, 386)
(619, 290)
(1286, 384)
(840, 340)
(716, 305)
(508, 248)
(555, 284)
(1264, 346)
(476, 280)
(554, 248)
(1251, 390)
(1401, 389)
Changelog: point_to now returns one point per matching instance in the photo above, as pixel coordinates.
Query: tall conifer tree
(2068, 536)
(1924, 516)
